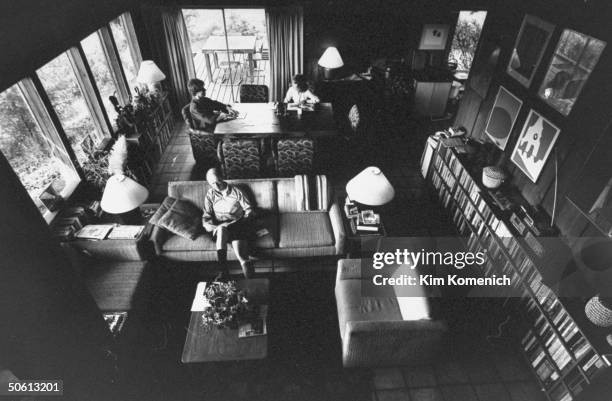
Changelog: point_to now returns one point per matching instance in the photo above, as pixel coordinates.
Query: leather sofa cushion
(269, 221)
(202, 242)
(305, 229)
(353, 307)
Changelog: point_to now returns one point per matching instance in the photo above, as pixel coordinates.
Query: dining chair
(203, 143)
(240, 158)
(254, 94)
(293, 156)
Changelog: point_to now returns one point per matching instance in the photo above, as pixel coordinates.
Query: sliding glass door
(229, 48)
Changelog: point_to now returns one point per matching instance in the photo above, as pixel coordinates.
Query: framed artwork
(575, 58)
(434, 37)
(503, 117)
(534, 145)
(528, 49)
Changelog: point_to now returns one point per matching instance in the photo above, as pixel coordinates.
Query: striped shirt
(224, 206)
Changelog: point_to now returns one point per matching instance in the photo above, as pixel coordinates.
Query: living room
(488, 149)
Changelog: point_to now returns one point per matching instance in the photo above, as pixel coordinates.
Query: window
(37, 157)
(127, 46)
(230, 48)
(575, 58)
(62, 87)
(101, 69)
(465, 40)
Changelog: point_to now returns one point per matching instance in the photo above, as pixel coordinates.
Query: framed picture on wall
(503, 117)
(534, 145)
(574, 59)
(528, 49)
(434, 37)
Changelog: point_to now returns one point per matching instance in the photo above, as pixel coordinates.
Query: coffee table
(215, 345)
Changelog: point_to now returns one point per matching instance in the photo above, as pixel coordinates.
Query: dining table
(235, 44)
(261, 120)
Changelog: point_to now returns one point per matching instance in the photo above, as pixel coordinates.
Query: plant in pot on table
(228, 306)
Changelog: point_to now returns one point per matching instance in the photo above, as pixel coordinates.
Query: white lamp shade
(122, 194)
(370, 187)
(331, 58)
(149, 73)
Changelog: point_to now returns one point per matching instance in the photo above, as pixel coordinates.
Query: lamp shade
(122, 194)
(149, 73)
(599, 311)
(370, 187)
(331, 58)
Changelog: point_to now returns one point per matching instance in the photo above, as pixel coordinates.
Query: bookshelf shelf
(564, 357)
(150, 140)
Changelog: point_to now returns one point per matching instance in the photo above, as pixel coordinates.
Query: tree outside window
(62, 87)
(465, 40)
(32, 154)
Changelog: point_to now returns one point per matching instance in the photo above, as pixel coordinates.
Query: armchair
(203, 143)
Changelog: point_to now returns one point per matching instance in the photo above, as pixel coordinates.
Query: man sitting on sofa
(226, 216)
(206, 112)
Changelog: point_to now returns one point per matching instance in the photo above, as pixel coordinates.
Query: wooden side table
(361, 244)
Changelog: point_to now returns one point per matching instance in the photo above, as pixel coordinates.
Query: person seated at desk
(299, 92)
(226, 217)
(206, 112)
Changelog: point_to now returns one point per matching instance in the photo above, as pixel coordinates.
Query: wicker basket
(599, 311)
(493, 177)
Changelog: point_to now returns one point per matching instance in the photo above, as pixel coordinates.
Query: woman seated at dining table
(299, 92)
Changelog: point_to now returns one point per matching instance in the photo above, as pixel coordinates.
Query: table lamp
(150, 74)
(122, 195)
(599, 311)
(370, 187)
(330, 60)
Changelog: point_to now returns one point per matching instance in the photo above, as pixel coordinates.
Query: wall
(35, 31)
(580, 131)
(367, 30)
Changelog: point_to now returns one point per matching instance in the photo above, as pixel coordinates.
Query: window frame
(125, 20)
(39, 104)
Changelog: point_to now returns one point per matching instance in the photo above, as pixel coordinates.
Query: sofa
(376, 331)
(297, 227)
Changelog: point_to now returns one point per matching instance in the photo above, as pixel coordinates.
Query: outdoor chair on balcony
(254, 94)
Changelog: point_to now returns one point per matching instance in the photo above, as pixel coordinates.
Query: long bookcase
(563, 356)
(150, 140)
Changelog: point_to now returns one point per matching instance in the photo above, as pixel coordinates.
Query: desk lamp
(150, 74)
(370, 187)
(330, 60)
(122, 195)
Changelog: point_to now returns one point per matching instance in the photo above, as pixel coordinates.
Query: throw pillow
(163, 208)
(183, 219)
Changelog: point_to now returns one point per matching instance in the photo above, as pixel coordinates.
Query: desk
(236, 44)
(261, 121)
(214, 345)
